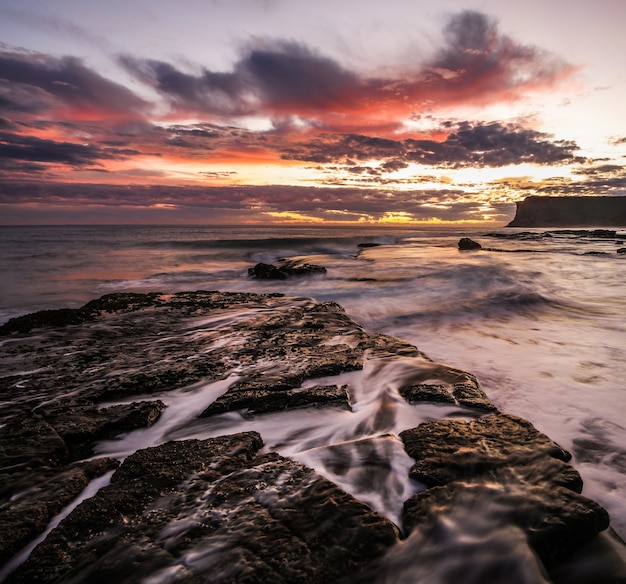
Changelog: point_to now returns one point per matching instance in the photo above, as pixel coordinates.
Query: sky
(292, 111)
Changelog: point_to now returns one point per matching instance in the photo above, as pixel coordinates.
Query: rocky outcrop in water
(467, 244)
(283, 271)
(570, 212)
(226, 507)
(503, 461)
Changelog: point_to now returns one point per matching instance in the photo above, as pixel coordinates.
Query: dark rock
(44, 319)
(621, 250)
(368, 244)
(465, 243)
(466, 394)
(427, 392)
(27, 441)
(81, 423)
(470, 395)
(257, 401)
(555, 520)
(450, 450)
(285, 270)
(212, 510)
(570, 212)
(502, 471)
(34, 502)
(596, 253)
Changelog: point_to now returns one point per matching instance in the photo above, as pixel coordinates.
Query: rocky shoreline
(229, 508)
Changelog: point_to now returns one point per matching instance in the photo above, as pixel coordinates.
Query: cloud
(281, 76)
(477, 65)
(33, 82)
(326, 203)
(467, 144)
(15, 147)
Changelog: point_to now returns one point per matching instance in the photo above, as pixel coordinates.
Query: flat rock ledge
(225, 511)
(188, 510)
(501, 466)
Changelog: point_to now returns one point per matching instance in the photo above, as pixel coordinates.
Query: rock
(80, 423)
(470, 395)
(257, 401)
(555, 520)
(216, 509)
(34, 503)
(450, 450)
(27, 442)
(538, 211)
(467, 394)
(212, 510)
(621, 250)
(427, 392)
(501, 468)
(465, 243)
(368, 244)
(285, 270)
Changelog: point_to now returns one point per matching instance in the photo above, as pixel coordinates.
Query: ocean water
(539, 320)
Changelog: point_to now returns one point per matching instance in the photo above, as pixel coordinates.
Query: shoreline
(278, 344)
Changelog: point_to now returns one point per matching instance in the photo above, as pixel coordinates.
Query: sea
(538, 316)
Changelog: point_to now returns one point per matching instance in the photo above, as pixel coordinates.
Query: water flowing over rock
(214, 509)
(503, 460)
(165, 390)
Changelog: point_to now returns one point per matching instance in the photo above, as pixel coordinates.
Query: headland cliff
(570, 212)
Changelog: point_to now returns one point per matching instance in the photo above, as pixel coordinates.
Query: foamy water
(539, 323)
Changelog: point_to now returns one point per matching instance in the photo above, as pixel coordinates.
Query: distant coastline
(570, 212)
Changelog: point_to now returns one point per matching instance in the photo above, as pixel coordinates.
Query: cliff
(570, 212)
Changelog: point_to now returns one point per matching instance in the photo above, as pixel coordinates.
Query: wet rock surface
(465, 392)
(501, 465)
(226, 508)
(287, 269)
(213, 509)
(465, 243)
(256, 401)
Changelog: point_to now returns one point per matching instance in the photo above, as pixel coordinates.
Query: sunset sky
(285, 111)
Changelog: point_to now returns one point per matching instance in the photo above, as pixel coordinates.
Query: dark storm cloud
(33, 82)
(15, 147)
(467, 144)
